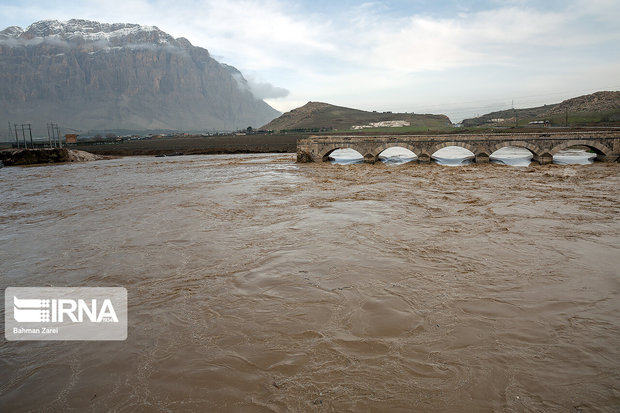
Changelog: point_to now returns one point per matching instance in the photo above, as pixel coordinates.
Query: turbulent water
(514, 156)
(257, 284)
(457, 156)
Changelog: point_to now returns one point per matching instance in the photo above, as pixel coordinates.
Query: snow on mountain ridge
(76, 30)
(11, 31)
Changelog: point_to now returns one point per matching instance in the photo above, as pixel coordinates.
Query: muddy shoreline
(22, 157)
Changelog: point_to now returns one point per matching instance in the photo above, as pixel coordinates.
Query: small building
(71, 138)
(544, 123)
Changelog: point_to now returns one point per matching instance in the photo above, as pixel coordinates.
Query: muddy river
(256, 284)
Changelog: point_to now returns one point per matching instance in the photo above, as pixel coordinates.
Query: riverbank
(17, 157)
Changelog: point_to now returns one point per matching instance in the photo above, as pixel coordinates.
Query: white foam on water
(512, 156)
(346, 156)
(457, 156)
(453, 156)
(574, 157)
(397, 156)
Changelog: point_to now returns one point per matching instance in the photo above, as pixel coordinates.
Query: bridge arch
(377, 151)
(535, 150)
(325, 152)
(598, 147)
(479, 154)
(473, 149)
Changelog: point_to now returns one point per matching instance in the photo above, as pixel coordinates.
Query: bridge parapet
(543, 146)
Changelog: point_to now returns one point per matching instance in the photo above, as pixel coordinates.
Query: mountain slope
(87, 75)
(319, 115)
(508, 116)
(596, 102)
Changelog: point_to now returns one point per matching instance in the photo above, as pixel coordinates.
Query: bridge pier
(304, 157)
(370, 158)
(544, 159)
(424, 158)
(482, 158)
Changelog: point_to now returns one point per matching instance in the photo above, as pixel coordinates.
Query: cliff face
(87, 75)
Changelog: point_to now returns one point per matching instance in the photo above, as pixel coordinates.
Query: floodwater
(256, 284)
(457, 156)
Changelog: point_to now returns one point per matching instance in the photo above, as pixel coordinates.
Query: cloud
(265, 90)
(260, 90)
(269, 34)
(21, 42)
(386, 55)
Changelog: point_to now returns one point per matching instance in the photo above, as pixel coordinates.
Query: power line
(53, 135)
(22, 128)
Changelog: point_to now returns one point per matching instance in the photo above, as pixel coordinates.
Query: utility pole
(54, 134)
(16, 137)
(58, 134)
(24, 136)
(30, 132)
(566, 117)
(51, 136)
(515, 113)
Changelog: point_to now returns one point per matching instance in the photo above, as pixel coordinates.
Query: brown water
(256, 284)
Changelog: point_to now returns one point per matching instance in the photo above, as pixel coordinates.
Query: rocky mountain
(315, 116)
(87, 75)
(599, 107)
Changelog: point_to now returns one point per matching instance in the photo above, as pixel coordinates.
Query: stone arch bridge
(542, 145)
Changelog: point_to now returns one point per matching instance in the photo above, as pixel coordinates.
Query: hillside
(599, 107)
(600, 102)
(507, 116)
(86, 75)
(316, 116)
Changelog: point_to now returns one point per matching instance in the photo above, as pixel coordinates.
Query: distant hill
(599, 107)
(318, 116)
(597, 102)
(507, 117)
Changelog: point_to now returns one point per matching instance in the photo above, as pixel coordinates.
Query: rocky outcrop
(15, 157)
(87, 75)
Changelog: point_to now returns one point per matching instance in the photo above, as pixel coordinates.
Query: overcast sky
(460, 58)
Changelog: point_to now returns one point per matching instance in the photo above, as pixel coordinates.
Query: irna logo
(30, 310)
(65, 313)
